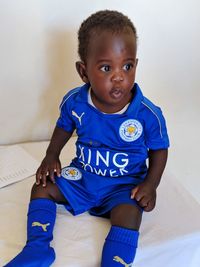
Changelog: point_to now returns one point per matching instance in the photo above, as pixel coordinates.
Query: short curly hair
(108, 20)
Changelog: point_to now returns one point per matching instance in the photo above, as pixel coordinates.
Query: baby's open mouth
(116, 93)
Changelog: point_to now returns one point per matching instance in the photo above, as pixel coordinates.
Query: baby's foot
(33, 257)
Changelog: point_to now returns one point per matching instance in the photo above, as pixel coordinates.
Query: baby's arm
(145, 193)
(51, 162)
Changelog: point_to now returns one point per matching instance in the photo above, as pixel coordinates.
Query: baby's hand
(49, 166)
(145, 194)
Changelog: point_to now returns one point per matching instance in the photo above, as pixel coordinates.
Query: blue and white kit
(111, 150)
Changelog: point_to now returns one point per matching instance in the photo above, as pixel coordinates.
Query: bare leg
(127, 216)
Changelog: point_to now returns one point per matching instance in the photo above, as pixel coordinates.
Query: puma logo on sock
(120, 260)
(77, 116)
(44, 226)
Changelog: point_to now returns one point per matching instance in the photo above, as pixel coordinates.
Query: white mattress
(170, 235)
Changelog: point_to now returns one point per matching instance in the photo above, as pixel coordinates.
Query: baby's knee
(38, 191)
(126, 216)
(50, 191)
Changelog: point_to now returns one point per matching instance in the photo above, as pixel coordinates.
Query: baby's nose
(118, 76)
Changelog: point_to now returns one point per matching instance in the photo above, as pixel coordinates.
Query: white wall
(38, 50)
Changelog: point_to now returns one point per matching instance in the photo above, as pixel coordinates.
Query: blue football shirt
(113, 145)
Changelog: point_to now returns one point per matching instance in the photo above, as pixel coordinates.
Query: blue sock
(120, 247)
(37, 251)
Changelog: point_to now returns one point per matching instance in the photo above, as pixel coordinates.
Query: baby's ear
(81, 69)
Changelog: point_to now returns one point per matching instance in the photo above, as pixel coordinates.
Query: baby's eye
(128, 66)
(105, 68)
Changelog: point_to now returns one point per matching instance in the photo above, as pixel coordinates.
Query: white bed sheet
(170, 235)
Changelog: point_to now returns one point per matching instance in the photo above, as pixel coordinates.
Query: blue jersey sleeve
(65, 120)
(156, 136)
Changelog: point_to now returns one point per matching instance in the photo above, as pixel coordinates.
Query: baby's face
(110, 68)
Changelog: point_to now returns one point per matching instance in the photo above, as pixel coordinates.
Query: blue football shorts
(85, 191)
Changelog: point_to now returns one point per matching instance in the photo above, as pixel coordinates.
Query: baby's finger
(44, 179)
(58, 169)
(51, 175)
(134, 192)
(38, 176)
(144, 202)
(139, 195)
(150, 206)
